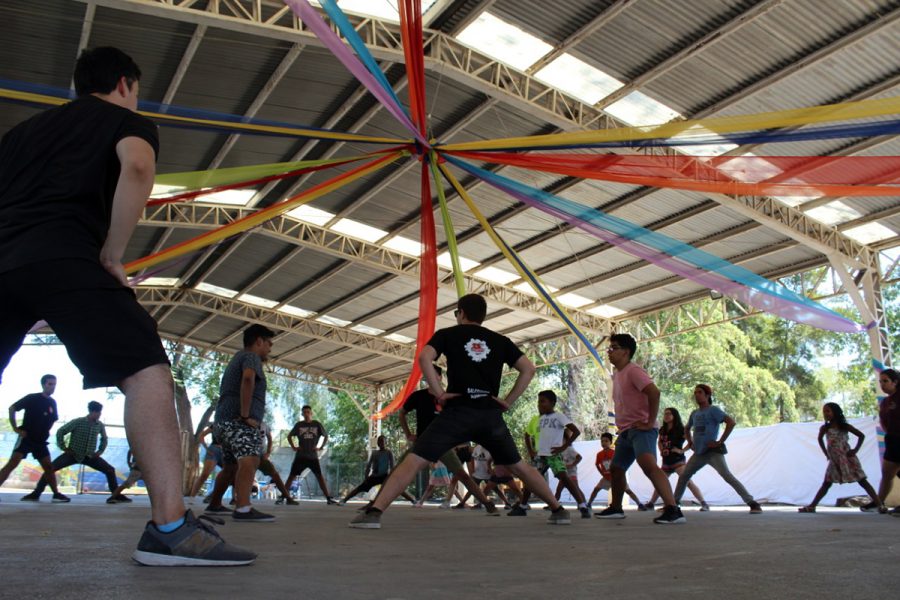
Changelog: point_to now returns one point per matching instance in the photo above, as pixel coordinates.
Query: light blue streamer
(350, 34)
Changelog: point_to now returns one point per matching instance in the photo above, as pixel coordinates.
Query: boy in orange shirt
(603, 463)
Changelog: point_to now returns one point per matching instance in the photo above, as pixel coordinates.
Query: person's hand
(21, 431)
(265, 456)
(442, 399)
(503, 403)
(645, 426)
(558, 449)
(410, 437)
(116, 269)
(852, 452)
(714, 444)
(250, 422)
(665, 452)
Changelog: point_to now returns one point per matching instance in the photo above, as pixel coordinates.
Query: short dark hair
(606, 435)
(706, 390)
(305, 406)
(46, 378)
(98, 70)
(891, 374)
(256, 331)
(94, 406)
(626, 341)
(474, 306)
(549, 395)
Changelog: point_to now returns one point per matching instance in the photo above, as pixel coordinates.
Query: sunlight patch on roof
(386, 10)
(576, 77)
(229, 197)
(870, 233)
(165, 190)
(396, 337)
(309, 214)
(465, 264)
(503, 41)
(574, 300)
(358, 230)
(833, 213)
(404, 245)
(640, 109)
(296, 312)
(160, 281)
(749, 168)
(606, 311)
(495, 275)
(257, 300)
(329, 320)
(217, 290)
(526, 288)
(706, 149)
(367, 330)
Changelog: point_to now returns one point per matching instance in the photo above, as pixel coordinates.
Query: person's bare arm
(526, 371)
(404, 425)
(652, 393)
(12, 421)
(248, 380)
(860, 436)
(729, 425)
(822, 431)
(426, 363)
(569, 434)
(138, 168)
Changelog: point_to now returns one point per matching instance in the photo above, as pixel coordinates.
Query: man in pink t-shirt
(636, 400)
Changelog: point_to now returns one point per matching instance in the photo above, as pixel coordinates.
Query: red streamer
(413, 41)
(814, 176)
(427, 295)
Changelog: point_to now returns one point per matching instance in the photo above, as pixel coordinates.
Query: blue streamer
(663, 243)
(346, 28)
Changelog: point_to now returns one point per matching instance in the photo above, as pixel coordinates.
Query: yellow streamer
(785, 118)
(509, 253)
(261, 216)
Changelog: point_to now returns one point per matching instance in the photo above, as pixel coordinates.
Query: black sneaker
(280, 500)
(217, 510)
(460, 506)
(60, 499)
(330, 500)
(871, 507)
(585, 512)
(755, 508)
(610, 512)
(369, 519)
(517, 511)
(291, 502)
(671, 515)
(32, 497)
(118, 499)
(252, 516)
(643, 507)
(491, 510)
(194, 544)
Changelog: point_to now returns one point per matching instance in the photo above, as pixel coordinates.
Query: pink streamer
(311, 17)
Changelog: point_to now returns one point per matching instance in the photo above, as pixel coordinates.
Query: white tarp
(779, 463)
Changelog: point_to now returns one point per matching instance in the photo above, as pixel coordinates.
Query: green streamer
(195, 180)
(448, 227)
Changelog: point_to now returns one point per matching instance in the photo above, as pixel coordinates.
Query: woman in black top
(671, 440)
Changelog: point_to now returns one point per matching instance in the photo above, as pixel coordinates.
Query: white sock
(243, 509)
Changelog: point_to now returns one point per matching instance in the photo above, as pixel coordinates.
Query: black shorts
(37, 449)
(301, 463)
(76, 296)
(457, 424)
(892, 448)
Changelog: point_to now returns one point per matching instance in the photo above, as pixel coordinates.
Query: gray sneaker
(194, 544)
(370, 519)
(559, 517)
(252, 516)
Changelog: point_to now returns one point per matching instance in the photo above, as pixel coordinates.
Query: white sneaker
(445, 504)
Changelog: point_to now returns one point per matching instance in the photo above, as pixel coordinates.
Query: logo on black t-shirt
(477, 350)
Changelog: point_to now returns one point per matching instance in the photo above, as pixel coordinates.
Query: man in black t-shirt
(40, 415)
(424, 404)
(73, 182)
(308, 432)
(472, 409)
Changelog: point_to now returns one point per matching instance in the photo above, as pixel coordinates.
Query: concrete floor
(82, 549)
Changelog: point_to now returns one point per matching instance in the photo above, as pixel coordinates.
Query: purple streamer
(823, 319)
(308, 15)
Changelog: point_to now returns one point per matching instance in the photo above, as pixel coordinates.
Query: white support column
(865, 291)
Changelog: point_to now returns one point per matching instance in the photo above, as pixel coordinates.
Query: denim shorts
(631, 444)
